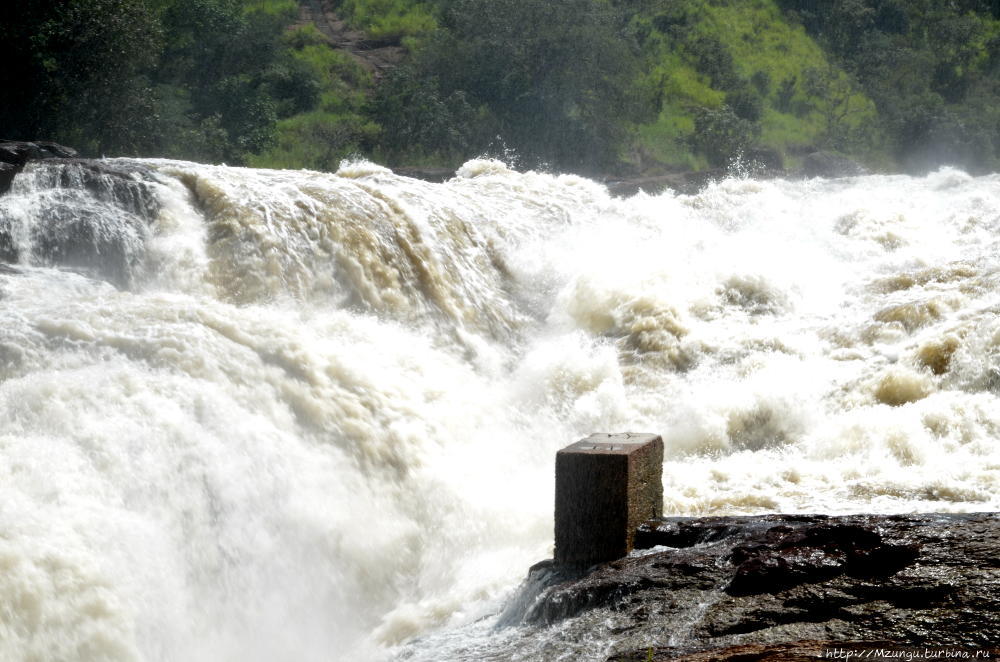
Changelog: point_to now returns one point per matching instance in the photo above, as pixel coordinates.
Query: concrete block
(606, 486)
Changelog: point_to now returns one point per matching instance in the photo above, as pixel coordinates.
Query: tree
(837, 101)
(413, 111)
(930, 67)
(76, 71)
(222, 55)
(551, 79)
(722, 136)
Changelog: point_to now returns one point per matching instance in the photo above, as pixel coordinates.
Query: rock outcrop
(427, 174)
(712, 583)
(376, 57)
(88, 215)
(14, 154)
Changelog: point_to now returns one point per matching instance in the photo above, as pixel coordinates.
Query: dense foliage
(78, 71)
(551, 80)
(932, 68)
(201, 79)
(582, 85)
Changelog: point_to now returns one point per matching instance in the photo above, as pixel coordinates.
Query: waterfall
(287, 415)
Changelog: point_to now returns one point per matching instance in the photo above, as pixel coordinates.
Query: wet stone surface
(88, 215)
(717, 582)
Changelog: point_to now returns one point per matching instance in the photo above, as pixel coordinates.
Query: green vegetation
(389, 21)
(931, 68)
(77, 73)
(182, 78)
(329, 122)
(733, 75)
(583, 85)
(497, 76)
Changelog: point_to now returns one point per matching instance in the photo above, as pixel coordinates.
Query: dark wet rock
(624, 188)
(8, 245)
(764, 165)
(790, 556)
(800, 651)
(7, 172)
(727, 581)
(82, 214)
(49, 150)
(685, 183)
(122, 184)
(760, 164)
(20, 152)
(765, 159)
(830, 165)
(15, 154)
(427, 174)
(785, 652)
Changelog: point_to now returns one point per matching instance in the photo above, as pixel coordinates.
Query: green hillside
(592, 86)
(742, 65)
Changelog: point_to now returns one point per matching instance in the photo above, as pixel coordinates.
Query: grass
(282, 9)
(335, 128)
(767, 52)
(389, 20)
(316, 140)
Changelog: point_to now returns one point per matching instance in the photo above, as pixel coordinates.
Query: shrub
(722, 136)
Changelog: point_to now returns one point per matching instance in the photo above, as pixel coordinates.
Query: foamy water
(260, 415)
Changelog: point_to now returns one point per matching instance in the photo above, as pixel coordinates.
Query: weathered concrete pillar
(606, 486)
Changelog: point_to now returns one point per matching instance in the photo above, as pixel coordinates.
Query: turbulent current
(292, 416)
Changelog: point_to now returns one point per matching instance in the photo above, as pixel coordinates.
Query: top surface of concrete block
(623, 443)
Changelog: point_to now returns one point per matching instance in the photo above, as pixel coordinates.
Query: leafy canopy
(551, 80)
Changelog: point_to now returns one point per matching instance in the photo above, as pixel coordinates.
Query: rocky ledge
(789, 587)
(14, 154)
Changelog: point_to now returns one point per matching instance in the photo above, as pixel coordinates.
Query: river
(285, 415)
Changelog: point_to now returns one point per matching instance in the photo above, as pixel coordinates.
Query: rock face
(427, 174)
(14, 154)
(731, 581)
(376, 57)
(87, 215)
(7, 172)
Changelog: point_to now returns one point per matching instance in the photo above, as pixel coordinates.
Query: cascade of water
(92, 216)
(268, 415)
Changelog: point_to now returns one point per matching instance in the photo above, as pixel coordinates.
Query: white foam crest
(371, 240)
(480, 167)
(270, 459)
(177, 249)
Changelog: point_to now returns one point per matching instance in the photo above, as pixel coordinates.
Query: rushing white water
(258, 415)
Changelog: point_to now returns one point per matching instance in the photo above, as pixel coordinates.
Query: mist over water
(273, 415)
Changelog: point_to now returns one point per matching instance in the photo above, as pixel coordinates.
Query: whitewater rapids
(271, 415)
